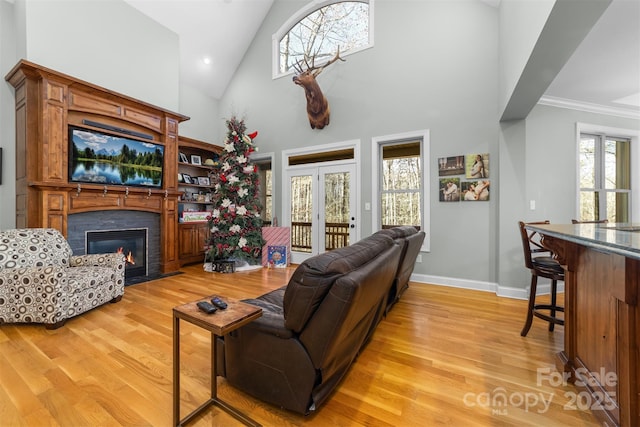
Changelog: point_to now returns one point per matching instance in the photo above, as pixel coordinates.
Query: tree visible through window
(265, 189)
(340, 25)
(401, 188)
(401, 183)
(605, 178)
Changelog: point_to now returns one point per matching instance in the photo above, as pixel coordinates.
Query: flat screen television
(102, 158)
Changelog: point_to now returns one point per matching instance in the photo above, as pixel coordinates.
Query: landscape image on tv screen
(100, 158)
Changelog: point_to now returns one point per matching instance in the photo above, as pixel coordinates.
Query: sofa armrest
(98, 260)
(272, 320)
(272, 324)
(115, 261)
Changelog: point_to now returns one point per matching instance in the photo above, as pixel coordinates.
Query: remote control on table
(206, 307)
(218, 303)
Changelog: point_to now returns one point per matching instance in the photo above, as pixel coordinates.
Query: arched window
(319, 30)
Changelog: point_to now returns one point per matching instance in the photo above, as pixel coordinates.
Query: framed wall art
(474, 191)
(451, 165)
(449, 189)
(477, 166)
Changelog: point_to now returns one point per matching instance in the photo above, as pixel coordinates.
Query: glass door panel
(301, 213)
(336, 210)
(321, 209)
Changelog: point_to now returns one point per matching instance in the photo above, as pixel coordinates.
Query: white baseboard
(476, 285)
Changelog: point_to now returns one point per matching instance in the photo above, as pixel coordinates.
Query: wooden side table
(219, 324)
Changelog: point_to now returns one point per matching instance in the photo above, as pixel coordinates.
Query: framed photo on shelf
(195, 160)
(183, 158)
(204, 180)
(187, 178)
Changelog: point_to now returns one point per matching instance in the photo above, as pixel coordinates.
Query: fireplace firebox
(132, 243)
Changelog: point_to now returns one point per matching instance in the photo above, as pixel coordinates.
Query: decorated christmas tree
(236, 225)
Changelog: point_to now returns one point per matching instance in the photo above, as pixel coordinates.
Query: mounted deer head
(317, 104)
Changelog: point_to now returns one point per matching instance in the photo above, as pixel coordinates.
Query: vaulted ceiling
(219, 30)
(604, 70)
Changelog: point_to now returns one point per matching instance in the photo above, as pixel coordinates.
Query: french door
(320, 205)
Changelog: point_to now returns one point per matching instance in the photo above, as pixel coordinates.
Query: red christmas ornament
(252, 135)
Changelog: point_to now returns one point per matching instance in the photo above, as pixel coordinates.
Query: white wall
(551, 146)
(10, 19)
(434, 66)
(538, 162)
(105, 42)
(205, 120)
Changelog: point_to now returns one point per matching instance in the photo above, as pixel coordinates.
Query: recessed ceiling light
(206, 60)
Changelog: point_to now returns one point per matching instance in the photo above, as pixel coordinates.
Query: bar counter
(602, 320)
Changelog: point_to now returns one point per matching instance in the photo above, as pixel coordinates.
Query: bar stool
(540, 266)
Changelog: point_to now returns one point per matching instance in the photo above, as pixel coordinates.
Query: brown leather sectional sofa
(312, 329)
(411, 241)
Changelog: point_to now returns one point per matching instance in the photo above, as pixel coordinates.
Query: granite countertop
(619, 238)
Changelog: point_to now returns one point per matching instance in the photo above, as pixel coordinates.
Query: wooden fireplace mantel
(47, 102)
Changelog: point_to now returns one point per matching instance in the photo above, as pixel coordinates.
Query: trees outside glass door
(322, 209)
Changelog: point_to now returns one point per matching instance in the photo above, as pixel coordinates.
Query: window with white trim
(401, 182)
(604, 177)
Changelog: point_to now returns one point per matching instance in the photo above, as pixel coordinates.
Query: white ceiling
(220, 30)
(604, 70)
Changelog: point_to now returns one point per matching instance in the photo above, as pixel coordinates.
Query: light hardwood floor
(443, 356)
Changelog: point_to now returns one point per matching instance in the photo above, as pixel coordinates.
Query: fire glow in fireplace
(130, 242)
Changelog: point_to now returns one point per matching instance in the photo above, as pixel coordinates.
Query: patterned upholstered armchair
(41, 281)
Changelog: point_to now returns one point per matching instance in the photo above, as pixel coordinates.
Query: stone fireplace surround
(47, 103)
(79, 224)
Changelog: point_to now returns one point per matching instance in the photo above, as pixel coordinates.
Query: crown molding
(588, 107)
